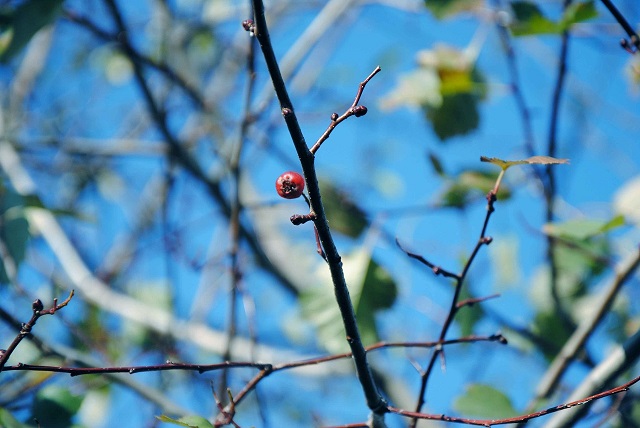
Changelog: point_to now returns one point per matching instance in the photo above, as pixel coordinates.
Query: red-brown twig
(38, 311)
(355, 110)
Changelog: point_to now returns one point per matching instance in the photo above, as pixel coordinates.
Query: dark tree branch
(375, 401)
(634, 40)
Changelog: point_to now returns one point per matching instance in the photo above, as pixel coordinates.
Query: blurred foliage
(19, 25)
(530, 20)
(343, 214)
(485, 401)
(447, 8)
(14, 231)
(447, 86)
(372, 289)
(56, 406)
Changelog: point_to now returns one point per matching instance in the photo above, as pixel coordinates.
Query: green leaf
(530, 20)
(343, 214)
(56, 405)
(468, 316)
(582, 229)
(20, 25)
(447, 86)
(578, 12)
(458, 115)
(418, 88)
(549, 325)
(371, 288)
(14, 229)
(445, 8)
(533, 160)
(8, 421)
(484, 401)
(187, 421)
(469, 186)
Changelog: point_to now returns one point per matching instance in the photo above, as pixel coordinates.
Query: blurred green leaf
(187, 421)
(447, 86)
(14, 229)
(458, 115)
(343, 214)
(468, 187)
(484, 401)
(55, 406)
(18, 26)
(418, 88)
(549, 324)
(468, 316)
(8, 421)
(582, 229)
(529, 19)
(372, 289)
(445, 8)
(578, 12)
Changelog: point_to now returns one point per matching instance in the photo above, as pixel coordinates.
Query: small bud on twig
(248, 25)
(359, 111)
(37, 305)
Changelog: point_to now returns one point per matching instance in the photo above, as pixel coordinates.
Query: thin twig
(455, 303)
(38, 311)
(354, 110)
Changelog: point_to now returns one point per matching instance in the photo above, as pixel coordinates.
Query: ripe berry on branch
(290, 185)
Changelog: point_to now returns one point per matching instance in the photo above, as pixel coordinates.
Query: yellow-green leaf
(533, 160)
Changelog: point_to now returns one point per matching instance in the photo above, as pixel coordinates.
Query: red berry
(290, 185)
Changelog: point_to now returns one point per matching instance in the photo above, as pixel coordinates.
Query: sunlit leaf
(582, 228)
(627, 200)
(447, 86)
(343, 214)
(484, 401)
(187, 421)
(372, 289)
(445, 8)
(533, 160)
(578, 12)
(418, 88)
(530, 20)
